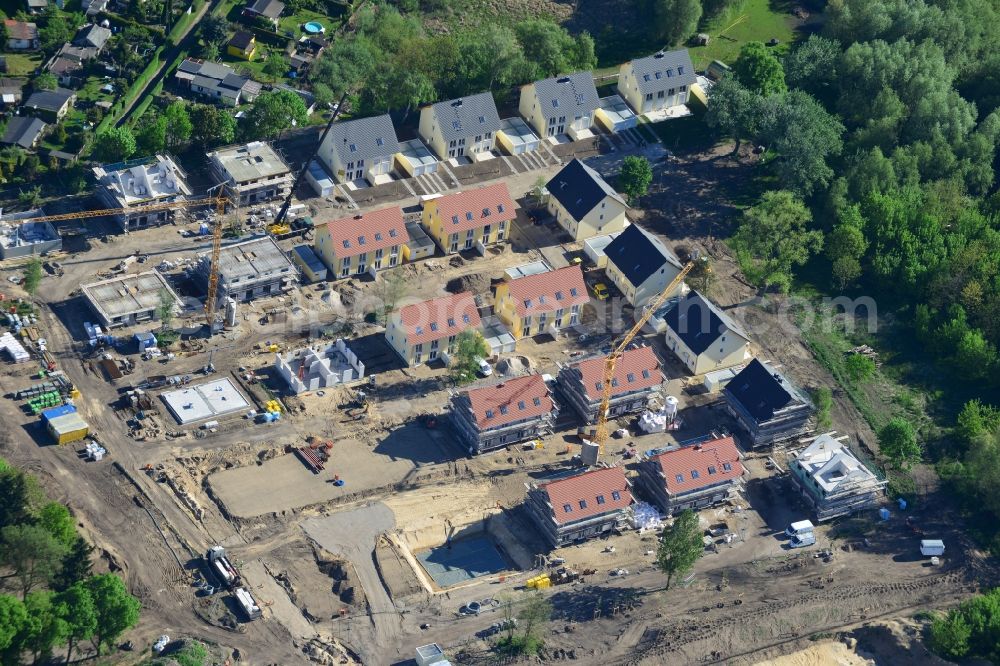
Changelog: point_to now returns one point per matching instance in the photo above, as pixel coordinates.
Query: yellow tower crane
(220, 209)
(601, 432)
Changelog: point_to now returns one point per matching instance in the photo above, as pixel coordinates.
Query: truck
(291, 228)
(802, 540)
(221, 567)
(800, 527)
(250, 608)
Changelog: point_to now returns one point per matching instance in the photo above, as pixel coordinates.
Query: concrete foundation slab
(459, 561)
(205, 401)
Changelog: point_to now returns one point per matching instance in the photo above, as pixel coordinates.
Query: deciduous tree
(897, 440)
(179, 126)
(116, 609)
(676, 20)
(759, 69)
(114, 144)
(470, 347)
(32, 276)
(634, 177)
(79, 614)
(680, 546)
(33, 554)
(212, 126)
(274, 112)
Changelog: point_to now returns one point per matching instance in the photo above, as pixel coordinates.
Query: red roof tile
(439, 317)
(472, 209)
(707, 459)
(367, 232)
(549, 291)
(513, 400)
(640, 365)
(20, 30)
(588, 494)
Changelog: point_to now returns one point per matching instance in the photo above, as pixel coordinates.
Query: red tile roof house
(581, 506)
(513, 411)
(474, 218)
(362, 243)
(637, 377)
(424, 331)
(541, 302)
(692, 477)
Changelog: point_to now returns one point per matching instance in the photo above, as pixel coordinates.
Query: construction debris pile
(644, 517)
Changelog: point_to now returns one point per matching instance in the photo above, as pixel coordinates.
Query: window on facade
(711, 470)
(418, 348)
(615, 495)
(727, 467)
(679, 478)
(600, 499)
(583, 504)
(568, 508)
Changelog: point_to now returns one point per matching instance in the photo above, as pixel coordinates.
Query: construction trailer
(67, 428)
(833, 480)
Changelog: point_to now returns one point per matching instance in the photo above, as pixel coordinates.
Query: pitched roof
(830, 463)
(20, 30)
(512, 400)
(760, 390)
(439, 317)
(241, 40)
(49, 100)
(467, 116)
(566, 95)
(270, 8)
(471, 209)
(663, 70)
(704, 464)
(363, 139)
(22, 131)
(637, 370)
(549, 291)
(588, 494)
(368, 232)
(578, 188)
(698, 322)
(638, 254)
(93, 35)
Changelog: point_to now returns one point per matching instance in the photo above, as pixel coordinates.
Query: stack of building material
(95, 451)
(645, 516)
(14, 349)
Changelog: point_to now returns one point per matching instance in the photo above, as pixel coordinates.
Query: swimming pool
(314, 27)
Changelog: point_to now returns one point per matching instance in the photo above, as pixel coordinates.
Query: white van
(801, 527)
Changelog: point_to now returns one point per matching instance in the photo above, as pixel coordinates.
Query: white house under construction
(130, 185)
(833, 480)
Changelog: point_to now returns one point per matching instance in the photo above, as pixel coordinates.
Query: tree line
(882, 134)
(389, 61)
(58, 601)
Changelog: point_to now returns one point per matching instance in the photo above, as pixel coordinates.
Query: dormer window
(489, 413)
(451, 322)
(503, 409)
(468, 215)
(499, 208)
(353, 148)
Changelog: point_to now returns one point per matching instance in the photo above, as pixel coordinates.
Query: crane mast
(601, 431)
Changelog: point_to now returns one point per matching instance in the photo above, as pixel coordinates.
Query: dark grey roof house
(703, 336)
(23, 131)
(268, 9)
(92, 36)
(51, 105)
(560, 105)
(657, 82)
(640, 265)
(362, 148)
(583, 203)
(464, 127)
(767, 406)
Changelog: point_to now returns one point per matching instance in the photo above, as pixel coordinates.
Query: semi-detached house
(542, 302)
(427, 330)
(464, 127)
(362, 243)
(362, 148)
(491, 417)
(638, 376)
(702, 474)
(640, 265)
(704, 337)
(560, 105)
(657, 82)
(471, 219)
(581, 506)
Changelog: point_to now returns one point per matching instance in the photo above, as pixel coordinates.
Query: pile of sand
(477, 283)
(514, 366)
(830, 653)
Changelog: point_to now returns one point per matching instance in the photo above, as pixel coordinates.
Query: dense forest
(882, 131)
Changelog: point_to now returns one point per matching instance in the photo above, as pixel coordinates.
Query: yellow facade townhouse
(542, 302)
(362, 243)
(584, 204)
(470, 219)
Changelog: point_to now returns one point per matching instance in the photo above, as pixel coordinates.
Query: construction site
(278, 480)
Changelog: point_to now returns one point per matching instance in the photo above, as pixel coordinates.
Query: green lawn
(293, 24)
(22, 64)
(747, 21)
